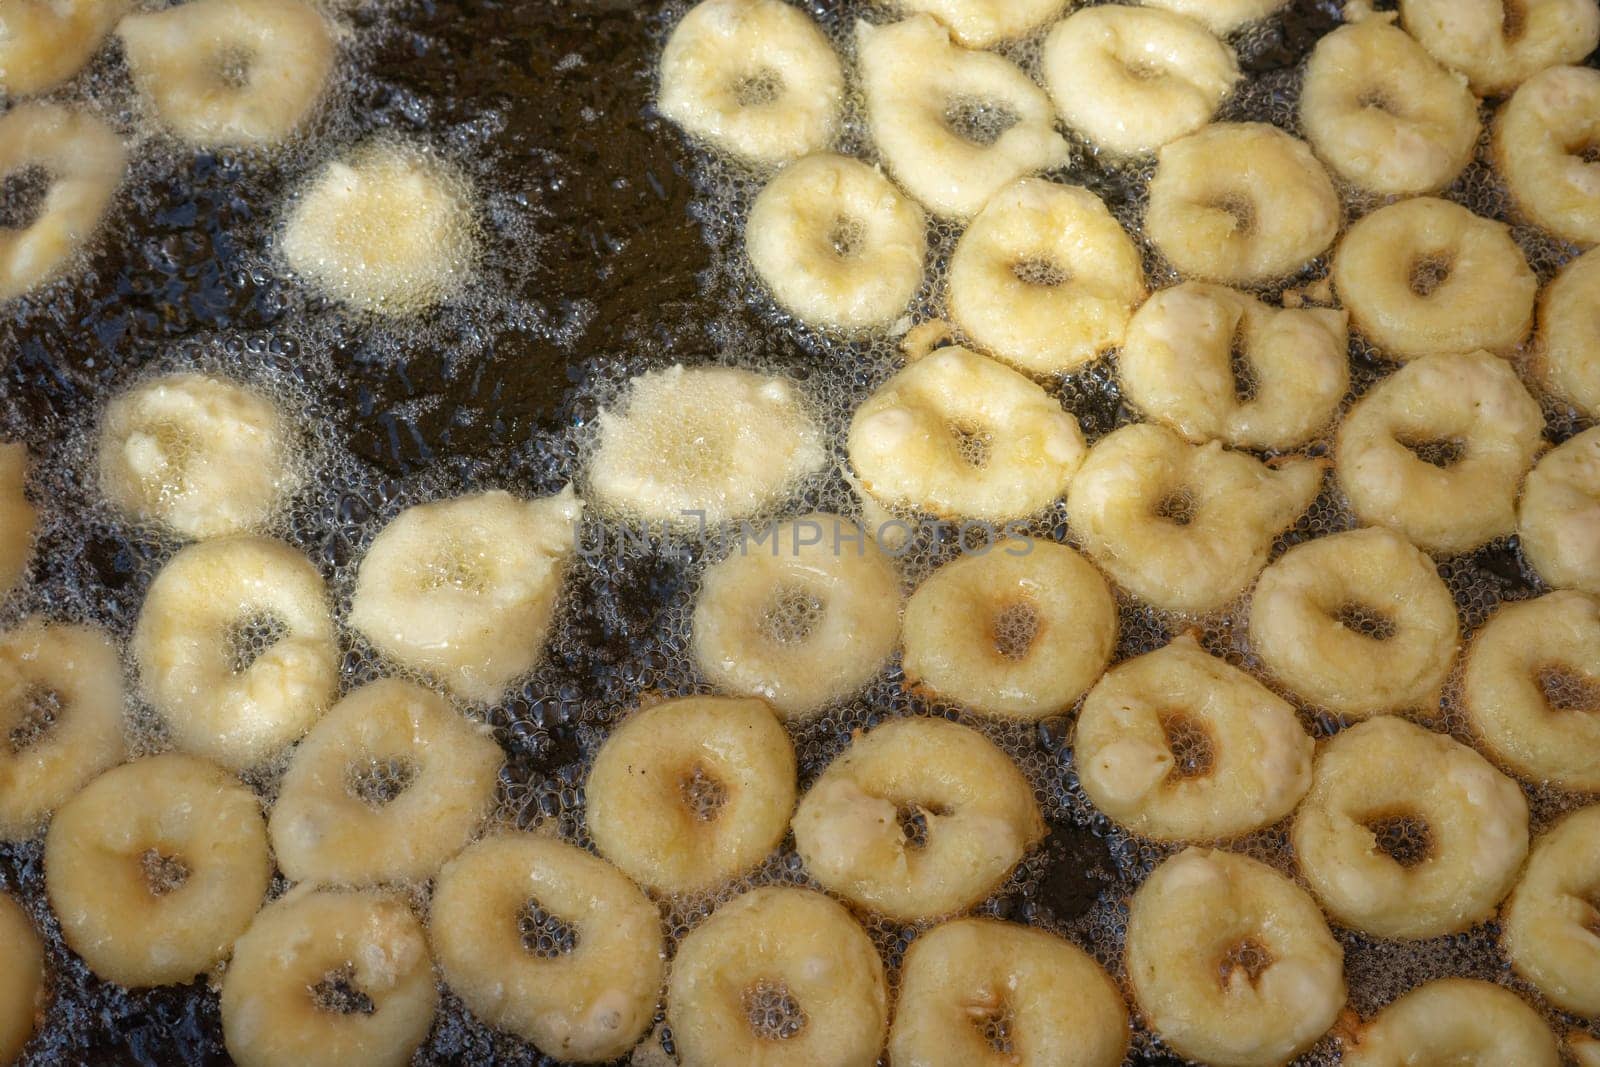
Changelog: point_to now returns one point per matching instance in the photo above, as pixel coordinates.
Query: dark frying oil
(604, 255)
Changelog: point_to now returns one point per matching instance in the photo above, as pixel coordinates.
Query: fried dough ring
(1177, 365)
(1299, 623)
(1387, 272)
(1177, 745)
(1387, 778)
(692, 792)
(1044, 277)
(1475, 403)
(1231, 962)
(978, 810)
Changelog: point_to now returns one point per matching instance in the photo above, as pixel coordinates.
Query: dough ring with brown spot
(970, 978)
(1131, 79)
(779, 976)
(1020, 630)
(1406, 833)
(918, 818)
(1545, 142)
(958, 434)
(155, 867)
(753, 78)
(62, 708)
(327, 978)
(1044, 277)
(837, 243)
(1241, 203)
(1231, 962)
(1531, 689)
(1428, 277)
(236, 648)
(1438, 450)
(543, 940)
(1357, 623)
(390, 783)
(1177, 745)
(1184, 527)
(1499, 45)
(1383, 114)
(692, 792)
(1178, 365)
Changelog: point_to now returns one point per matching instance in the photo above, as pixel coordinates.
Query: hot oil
(612, 247)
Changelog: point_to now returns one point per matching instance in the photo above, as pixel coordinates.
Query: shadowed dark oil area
(598, 262)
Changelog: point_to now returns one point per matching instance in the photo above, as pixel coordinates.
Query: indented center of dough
(792, 615)
(991, 1016)
(1566, 689)
(913, 819)
(160, 454)
(338, 994)
(972, 443)
(1248, 957)
(759, 88)
(163, 874)
(1015, 627)
(1366, 620)
(378, 782)
(1193, 754)
(545, 934)
(1402, 836)
(1376, 98)
(233, 66)
(1429, 272)
(1513, 19)
(22, 196)
(33, 716)
(1241, 207)
(978, 120)
(1245, 381)
(250, 637)
(774, 1014)
(1441, 452)
(1041, 272)
(1178, 507)
(1142, 68)
(847, 237)
(703, 794)
(456, 566)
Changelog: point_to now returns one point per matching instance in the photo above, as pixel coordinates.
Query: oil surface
(611, 248)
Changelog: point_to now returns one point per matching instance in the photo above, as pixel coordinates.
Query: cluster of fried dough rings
(1399, 831)
(384, 227)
